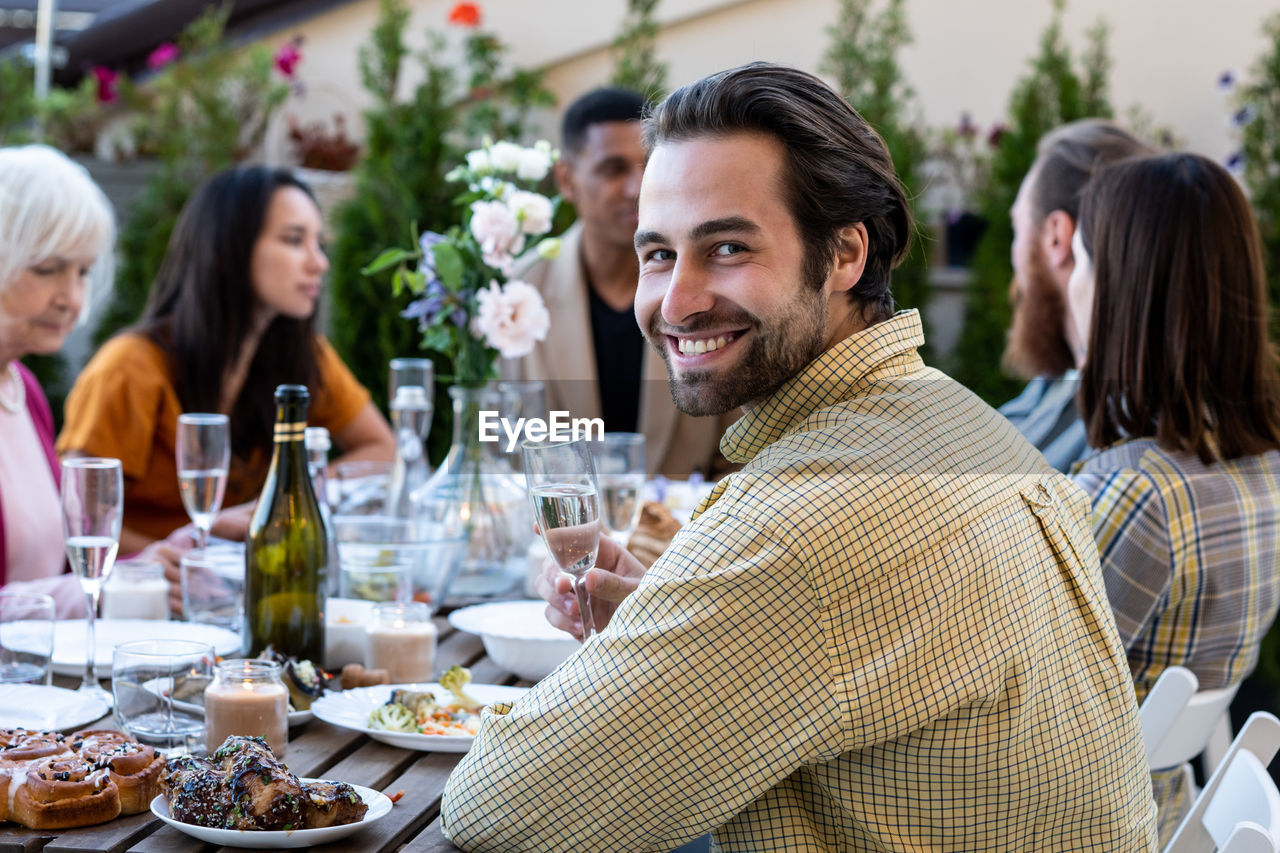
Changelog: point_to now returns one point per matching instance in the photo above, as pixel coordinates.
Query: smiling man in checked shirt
(888, 631)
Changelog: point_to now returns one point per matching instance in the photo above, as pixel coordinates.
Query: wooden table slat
(114, 835)
(166, 839)
(459, 648)
(422, 784)
(430, 840)
(15, 839)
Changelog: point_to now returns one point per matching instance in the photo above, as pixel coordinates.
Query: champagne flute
(620, 462)
(204, 454)
(566, 508)
(92, 510)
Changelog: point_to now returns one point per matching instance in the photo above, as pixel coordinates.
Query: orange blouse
(124, 405)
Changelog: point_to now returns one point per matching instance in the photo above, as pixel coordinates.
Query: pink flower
(107, 80)
(165, 53)
(288, 57)
(511, 319)
(497, 230)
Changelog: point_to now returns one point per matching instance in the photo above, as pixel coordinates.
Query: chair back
(1177, 721)
(1239, 809)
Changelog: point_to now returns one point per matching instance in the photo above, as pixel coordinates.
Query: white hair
(50, 207)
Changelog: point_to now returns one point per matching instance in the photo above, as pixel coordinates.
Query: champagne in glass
(620, 465)
(203, 456)
(566, 508)
(92, 512)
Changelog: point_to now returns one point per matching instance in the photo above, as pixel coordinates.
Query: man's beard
(777, 351)
(1037, 341)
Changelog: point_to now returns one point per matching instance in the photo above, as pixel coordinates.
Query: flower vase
(476, 488)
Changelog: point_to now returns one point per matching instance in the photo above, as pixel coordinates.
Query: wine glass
(204, 453)
(566, 508)
(619, 459)
(92, 510)
(411, 385)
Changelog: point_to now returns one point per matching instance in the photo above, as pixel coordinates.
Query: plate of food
(434, 717)
(275, 810)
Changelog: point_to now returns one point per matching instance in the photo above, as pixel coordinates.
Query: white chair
(1239, 809)
(1178, 723)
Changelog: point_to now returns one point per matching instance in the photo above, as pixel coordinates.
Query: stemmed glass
(92, 510)
(203, 455)
(411, 384)
(566, 508)
(619, 459)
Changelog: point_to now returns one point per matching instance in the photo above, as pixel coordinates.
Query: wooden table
(315, 749)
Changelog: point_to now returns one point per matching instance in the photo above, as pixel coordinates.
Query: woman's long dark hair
(202, 305)
(1178, 346)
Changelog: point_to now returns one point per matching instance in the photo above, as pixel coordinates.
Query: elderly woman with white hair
(55, 227)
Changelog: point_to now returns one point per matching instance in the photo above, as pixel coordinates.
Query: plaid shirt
(1191, 563)
(886, 632)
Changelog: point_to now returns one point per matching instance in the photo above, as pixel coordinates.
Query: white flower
(478, 160)
(511, 319)
(534, 164)
(505, 156)
(532, 211)
(497, 231)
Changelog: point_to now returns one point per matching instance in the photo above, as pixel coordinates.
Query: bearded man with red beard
(1041, 340)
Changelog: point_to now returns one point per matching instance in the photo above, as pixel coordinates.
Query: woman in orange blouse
(231, 315)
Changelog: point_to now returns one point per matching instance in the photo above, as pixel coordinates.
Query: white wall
(1167, 54)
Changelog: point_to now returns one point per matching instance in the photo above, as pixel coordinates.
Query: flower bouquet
(471, 311)
(466, 307)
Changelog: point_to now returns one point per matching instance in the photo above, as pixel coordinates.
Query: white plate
(158, 686)
(379, 806)
(39, 706)
(69, 640)
(350, 709)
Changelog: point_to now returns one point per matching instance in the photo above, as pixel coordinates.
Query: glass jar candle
(247, 697)
(401, 638)
(136, 590)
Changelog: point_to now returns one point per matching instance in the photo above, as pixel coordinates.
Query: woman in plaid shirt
(1179, 387)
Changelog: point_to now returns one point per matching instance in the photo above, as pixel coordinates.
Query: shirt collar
(885, 350)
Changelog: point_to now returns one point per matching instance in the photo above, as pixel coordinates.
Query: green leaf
(385, 260)
(437, 339)
(448, 265)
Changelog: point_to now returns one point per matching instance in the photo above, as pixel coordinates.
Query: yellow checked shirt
(888, 631)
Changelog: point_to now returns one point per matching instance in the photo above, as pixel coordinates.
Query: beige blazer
(677, 444)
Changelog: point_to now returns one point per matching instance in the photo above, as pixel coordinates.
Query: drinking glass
(566, 509)
(26, 637)
(92, 509)
(620, 462)
(159, 692)
(521, 398)
(213, 585)
(411, 385)
(204, 453)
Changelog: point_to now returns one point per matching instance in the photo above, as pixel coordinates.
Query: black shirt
(619, 348)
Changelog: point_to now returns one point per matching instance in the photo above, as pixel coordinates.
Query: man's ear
(850, 259)
(563, 174)
(1055, 239)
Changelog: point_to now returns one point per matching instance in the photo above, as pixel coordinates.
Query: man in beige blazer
(595, 362)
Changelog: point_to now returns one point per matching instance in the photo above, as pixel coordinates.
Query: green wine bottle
(287, 554)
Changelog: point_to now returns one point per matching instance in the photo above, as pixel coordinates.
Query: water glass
(158, 686)
(26, 637)
(213, 585)
(203, 457)
(620, 461)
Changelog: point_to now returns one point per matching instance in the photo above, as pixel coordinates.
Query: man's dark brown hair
(1178, 345)
(837, 171)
